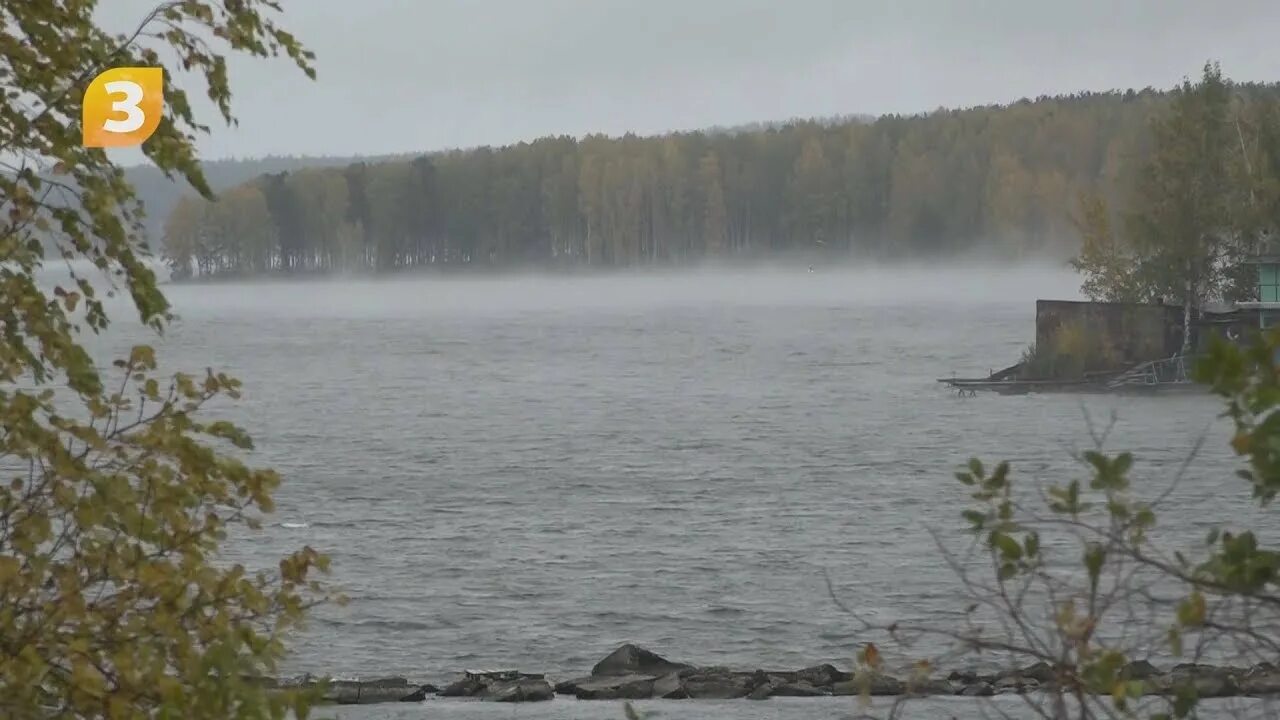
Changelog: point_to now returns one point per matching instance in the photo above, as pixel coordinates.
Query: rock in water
(719, 684)
(978, 689)
(798, 689)
(875, 684)
(357, 692)
(621, 687)
(420, 694)
(1209, 681)
(500, 686)
(1014, 684)
(1261, 679)
(632, 659)
(522, 690)
(779, 687)
(968, 677)
(822, 675)
(570, 687)
(669, 687)
(463, 687)
(1139, 670)
(930, 686)
(1041, 672)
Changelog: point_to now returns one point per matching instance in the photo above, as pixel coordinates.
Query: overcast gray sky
(409, 75)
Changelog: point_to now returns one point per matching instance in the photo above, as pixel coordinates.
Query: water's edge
(634, 673)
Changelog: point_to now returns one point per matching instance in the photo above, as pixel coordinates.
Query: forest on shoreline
(1004, 179)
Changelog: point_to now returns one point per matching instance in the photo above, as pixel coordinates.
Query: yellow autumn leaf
(871, 655)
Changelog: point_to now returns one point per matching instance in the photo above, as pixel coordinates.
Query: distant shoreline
(786, 263)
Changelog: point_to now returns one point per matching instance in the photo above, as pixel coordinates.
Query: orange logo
(122, 106)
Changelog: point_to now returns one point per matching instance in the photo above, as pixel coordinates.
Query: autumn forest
(1006, 179)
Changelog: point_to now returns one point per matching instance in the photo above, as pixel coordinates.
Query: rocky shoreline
(634, 673)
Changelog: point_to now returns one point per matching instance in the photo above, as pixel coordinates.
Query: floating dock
(1167, 375)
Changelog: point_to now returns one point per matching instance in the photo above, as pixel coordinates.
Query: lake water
(526, 472)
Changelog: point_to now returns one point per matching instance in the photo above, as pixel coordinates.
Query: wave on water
(294, 525)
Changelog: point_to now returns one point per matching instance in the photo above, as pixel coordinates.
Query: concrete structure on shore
(1138, 332)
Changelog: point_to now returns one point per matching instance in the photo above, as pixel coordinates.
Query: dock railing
(1173, 370)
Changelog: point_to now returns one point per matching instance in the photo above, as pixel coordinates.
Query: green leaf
(1122, 463)
(1000, 477)
(1099, 461)
(976, 518)
(1007, 546)
(975, 467)
(1032, 544)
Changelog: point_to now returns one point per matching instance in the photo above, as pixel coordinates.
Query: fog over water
(642, 291)
(526, 471)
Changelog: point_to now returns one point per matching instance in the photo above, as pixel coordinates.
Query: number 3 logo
(122, 107)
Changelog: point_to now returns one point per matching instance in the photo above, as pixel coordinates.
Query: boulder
(1041, 672)
(874, 683)
(929, 686)
(760, 684)
(570, 687)
(1139, 670)
(524, 689)
(511, 685)
(633, 659)
(466, 686)
(1210, 681)
(1261, 679)
(670, 687)
(420, 694)
(367, 692)
(762, 692)
(968, 677)
(1014, 684)
(618, 687)
(821, 676)
(797, 689)
(1216, 686)
(720, 683)
(978, 689)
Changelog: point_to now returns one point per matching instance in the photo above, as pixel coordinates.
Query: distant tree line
(1006, 178)
(160, 193)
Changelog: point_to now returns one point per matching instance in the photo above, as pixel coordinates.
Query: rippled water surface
(526, 472)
